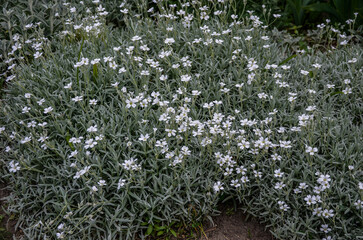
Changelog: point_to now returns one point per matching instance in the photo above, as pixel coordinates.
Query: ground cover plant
(108, 133)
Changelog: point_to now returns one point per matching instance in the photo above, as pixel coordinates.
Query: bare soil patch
(7, 223)
(233, 225)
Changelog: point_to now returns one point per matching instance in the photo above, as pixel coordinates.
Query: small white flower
(37, 55)
(169, 41)
(92, 129)
(102, 183)
(278, 173)
(311, 150)
(77, 98)
(48, 110)
(310, 200)
(69, 85)
(279, 185)
(185, 78)
(60, 235)
(144, 138)
(325, 228)
(14, 167)
(303, 72)
(218, 186)
(135, 38)
(121, 183)
(93, 102)
(327, 213)
(95, 61)
(25, 109)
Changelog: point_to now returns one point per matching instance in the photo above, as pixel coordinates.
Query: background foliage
(267, 87)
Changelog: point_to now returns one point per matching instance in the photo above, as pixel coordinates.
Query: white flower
(124, 11)
(163, 77)
(102, 183)
(77, 98)
(14, 167)
(145, 73)
(130, 164)
(311, 150)
(310, 200)
(169, 41)
(115, 84)
(185, 78)
(69, 85)
(122, 70)
(327, 213)
(345, 42)
(90, 143)
(317, 65)
(235, 183)
(347, 90)
(303, 72)
(60, 235)
(310, 108)
(196, 92)
(218, 187)
(324, 179)
(95, 61)
(37, 55)
(93, 102)
(25, 140)
(358, 204)
(121, 183)
(92, 129)
(278, 173)
(135, 38)
(279, 185)
(25, 109)
(244, 179)
(48, 109)
(81, 172)
(325, 228)
(144, 138)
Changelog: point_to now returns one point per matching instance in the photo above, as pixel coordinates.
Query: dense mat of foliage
(109, 132)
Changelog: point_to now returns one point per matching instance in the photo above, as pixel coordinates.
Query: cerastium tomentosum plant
(109, 131)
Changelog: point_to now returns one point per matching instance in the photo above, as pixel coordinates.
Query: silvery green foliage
(160, 121)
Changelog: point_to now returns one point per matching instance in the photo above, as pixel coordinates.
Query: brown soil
(232, 225)
(7, 223)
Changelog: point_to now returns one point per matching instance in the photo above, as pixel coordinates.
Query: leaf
(160, 233)
(335, 93)
(95, 71)
(322, 7)
(173, 232)
(287, 59)
(149, 230)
